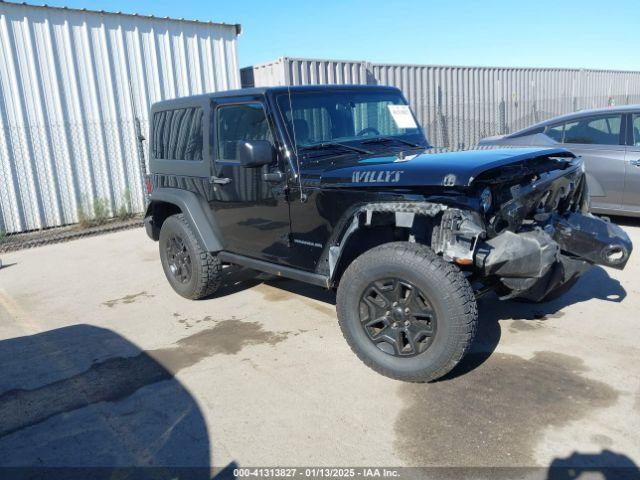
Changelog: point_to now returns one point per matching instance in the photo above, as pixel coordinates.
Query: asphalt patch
(495, 414)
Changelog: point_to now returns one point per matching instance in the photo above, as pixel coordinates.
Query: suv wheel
(191, 271)
(405, 312)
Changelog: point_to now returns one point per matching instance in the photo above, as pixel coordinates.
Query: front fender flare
(197, 212)
(361, 216)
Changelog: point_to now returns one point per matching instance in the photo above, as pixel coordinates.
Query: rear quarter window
(178, 134)
(596, 131)
(555, 132)
(525, 133)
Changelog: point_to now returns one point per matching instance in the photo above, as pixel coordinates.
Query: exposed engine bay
(538, 235)
(529, 232)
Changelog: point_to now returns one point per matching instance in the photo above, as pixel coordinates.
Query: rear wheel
(405, 312)
(191, 271)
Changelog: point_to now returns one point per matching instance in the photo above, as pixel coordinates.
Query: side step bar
(274, 269)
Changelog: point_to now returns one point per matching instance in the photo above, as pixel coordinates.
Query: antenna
(303, 196)
(142, 164)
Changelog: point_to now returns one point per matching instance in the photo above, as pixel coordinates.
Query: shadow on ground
(236, 279)
(83, 396)
(605, 465)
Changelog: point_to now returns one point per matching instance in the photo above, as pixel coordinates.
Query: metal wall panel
(72, 83)
(296, 71)
(458, 106)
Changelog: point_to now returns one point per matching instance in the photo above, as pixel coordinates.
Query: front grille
(524, 204)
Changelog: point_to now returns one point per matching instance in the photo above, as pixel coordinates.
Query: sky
(533, 33)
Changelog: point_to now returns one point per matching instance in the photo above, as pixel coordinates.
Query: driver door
(251, 208)
(631, 199)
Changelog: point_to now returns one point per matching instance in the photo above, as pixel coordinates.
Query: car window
(636, 130)
(177, 134)
(601, 130)
(316, 117)
(527, 132)
(311, 124)
(555, 132)
(235, 123)
(314, 124)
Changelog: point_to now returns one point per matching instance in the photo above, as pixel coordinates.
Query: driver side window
(235, 123)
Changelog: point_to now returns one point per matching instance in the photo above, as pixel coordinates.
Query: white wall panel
(71, 84)
(458, 106)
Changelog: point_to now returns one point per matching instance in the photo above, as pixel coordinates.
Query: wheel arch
(375, 224)
(164, 202)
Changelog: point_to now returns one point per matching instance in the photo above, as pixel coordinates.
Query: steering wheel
(367, 130)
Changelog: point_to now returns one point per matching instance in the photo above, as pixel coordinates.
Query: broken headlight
(486, 200)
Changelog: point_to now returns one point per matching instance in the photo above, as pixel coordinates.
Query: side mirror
(254, 153)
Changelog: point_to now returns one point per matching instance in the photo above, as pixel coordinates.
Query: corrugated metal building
(72, 84)
(460, 105)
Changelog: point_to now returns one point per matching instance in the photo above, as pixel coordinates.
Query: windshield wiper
(392, 139)
(329, 145)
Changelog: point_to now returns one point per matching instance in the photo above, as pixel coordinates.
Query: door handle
(273, 176)
(220, 180)
(635, 163)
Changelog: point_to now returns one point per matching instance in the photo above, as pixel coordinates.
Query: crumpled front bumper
(534, 262)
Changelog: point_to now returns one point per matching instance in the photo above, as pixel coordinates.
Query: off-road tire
(448, 291)
(206, 272)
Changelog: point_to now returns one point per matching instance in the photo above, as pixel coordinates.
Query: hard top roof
(270, 90)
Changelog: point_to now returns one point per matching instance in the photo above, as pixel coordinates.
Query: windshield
(348, 119)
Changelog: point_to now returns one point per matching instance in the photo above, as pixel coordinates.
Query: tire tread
(465, 321)
(210, 267)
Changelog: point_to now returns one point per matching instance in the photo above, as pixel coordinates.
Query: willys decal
(371, 176)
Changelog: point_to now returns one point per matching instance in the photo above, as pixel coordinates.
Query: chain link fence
(65, 180)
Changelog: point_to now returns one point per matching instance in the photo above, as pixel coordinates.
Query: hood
(449, 169)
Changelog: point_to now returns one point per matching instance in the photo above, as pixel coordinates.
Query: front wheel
(405, 312)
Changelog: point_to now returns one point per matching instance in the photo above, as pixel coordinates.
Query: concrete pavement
(103, 364)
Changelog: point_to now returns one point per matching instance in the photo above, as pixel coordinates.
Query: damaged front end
(539, 237)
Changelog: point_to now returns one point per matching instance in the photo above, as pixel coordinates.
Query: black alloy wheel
(397, 317)
(179, 259)
(406, 312)
(192, 272)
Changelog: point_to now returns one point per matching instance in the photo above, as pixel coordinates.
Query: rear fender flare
(196, 211)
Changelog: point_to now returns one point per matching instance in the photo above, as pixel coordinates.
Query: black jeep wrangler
(337, 186)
